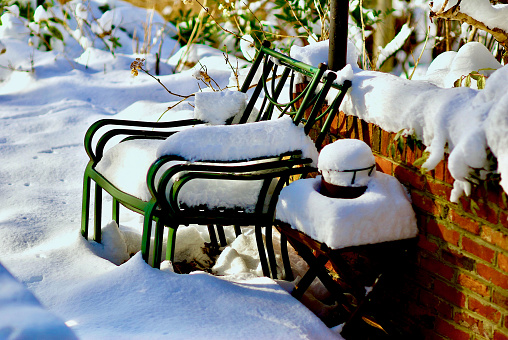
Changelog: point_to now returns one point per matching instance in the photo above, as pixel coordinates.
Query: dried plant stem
(421, 53)
(159, 81)
(364, 53)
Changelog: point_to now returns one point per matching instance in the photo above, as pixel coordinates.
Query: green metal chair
(163, 206)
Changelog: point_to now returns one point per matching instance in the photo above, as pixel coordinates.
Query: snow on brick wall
(457, 286)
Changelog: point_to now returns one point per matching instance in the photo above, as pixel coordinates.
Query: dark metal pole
(339, 13)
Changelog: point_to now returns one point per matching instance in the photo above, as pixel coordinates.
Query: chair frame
(165, 212)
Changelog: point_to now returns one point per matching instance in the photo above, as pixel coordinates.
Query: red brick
(495, 237)
(503, 218)
(472, 284)
(475, 325)
(465, 202)
(435, 305)
(464, 222)
(384, 165)
(410, 155)
(425, 203)
(458, 259)
(449, 293)
(502, 262)
(425, 244)
(484, 310)
(441, 231)
(447, 329)
(439, 171)
(448, 176)
(437, 267)
(386, 140)
(487, 213)
(500, 336)
(492, 275)
(439, 189)
(476, 249)
(411, 177)
(423, 278)
(501, 300)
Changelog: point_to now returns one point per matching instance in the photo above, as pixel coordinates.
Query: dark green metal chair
(274, 170)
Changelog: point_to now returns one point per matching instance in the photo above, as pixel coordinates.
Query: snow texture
(48, 100)
(346, 154)
(383, 213)
(23, 317)
(239, 142)
(493, 16)
(451, 119)
(217, 107)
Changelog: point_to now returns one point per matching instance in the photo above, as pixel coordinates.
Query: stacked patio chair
(175, 168)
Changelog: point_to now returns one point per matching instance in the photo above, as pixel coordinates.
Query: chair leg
(261, 250)
(213, 236)
(98, 213)
(116, 211)
(222, 235)
(270, 251)
(147, 231)
(285, 258)
(171, 243)
(157, 243)
(238, 230)
(85, 207)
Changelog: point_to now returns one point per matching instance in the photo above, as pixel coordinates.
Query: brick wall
(456, 286)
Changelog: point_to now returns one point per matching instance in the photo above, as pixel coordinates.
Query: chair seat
(383, 213)
(126, 164)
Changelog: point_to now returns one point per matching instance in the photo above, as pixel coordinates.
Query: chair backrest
(307, 105)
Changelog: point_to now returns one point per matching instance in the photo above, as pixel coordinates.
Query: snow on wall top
(465, 122)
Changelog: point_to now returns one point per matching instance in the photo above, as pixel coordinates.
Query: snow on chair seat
(121, 170)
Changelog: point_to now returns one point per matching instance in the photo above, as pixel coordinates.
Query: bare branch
(454, 13)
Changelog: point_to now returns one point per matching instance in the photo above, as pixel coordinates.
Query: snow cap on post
(347, 163)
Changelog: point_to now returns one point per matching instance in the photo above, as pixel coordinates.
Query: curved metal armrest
(256, 169)
(138, 129)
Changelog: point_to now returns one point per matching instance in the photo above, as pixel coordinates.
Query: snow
(493, 16)
(65, 286)
(23, 317)
(346, 154)
(239, 142)
(450, 66)
(217, 107)
(383, 213)
(445, 119)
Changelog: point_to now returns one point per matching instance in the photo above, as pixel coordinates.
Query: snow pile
(336, 161)
(450, 119)
(23, 317)
(217, 107)
(49, 99)
(198, 306)
(317, 53)
(239, 142)
(383, 213)
(451, 66)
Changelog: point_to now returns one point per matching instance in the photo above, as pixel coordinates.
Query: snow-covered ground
(62, 285)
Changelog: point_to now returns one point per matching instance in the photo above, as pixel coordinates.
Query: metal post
(337, 54)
